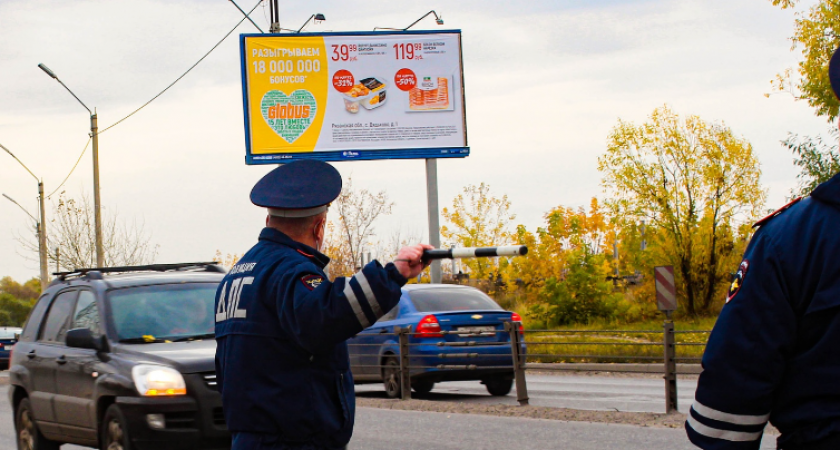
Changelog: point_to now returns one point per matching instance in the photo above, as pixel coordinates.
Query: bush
(582, 296)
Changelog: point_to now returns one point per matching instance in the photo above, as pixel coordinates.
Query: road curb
(682, 369)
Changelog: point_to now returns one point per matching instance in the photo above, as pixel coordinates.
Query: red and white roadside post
(666, 301)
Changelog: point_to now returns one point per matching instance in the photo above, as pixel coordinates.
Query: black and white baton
(474, 252)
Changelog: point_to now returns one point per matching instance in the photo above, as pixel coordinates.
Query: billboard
(345, 96)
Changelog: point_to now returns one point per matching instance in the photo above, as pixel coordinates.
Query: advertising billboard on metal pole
(353, 96)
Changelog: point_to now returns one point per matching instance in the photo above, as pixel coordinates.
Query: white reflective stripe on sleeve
(374, 304)
(737, 419)
(463, 252)
(727, 435)
(354, 304)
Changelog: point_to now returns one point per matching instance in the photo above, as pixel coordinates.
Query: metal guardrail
(667, 364)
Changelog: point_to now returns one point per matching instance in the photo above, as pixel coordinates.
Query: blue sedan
(443, 319)
(7, 341)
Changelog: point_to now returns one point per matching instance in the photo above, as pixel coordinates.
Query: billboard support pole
(434, 217)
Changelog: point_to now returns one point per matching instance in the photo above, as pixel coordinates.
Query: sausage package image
(431, 94)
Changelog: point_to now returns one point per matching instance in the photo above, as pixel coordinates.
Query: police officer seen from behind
(774, 353)
(281, 361)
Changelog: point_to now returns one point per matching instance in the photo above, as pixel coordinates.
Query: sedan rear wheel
(423, 387)
(498, 387)
(29, 437)
(114, 433)
(391, 378)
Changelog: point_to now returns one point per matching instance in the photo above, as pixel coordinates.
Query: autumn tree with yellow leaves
(566, 273)
(478, 219)
(697, 183)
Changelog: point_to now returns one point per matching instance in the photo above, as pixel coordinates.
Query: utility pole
(42, 238)
(97, 213)
(42, 222)
(275, 17)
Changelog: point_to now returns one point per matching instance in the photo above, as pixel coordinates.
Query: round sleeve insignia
(738, 280)
(312, 281)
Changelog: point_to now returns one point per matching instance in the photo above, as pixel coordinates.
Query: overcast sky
(545, 83)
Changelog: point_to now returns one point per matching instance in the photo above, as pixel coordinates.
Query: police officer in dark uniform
(282, 365)
(774, 353)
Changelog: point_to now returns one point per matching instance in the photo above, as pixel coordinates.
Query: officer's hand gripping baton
(474, 252)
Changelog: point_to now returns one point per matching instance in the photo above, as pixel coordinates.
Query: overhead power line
(73, 169)
(246, 17)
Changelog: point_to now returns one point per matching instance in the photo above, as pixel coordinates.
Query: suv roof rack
(212, 266)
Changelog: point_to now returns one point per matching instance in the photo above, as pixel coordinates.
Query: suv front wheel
(114, 430)
(29, 437)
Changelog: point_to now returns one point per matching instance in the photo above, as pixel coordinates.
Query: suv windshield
(167, 311)
(442, 299)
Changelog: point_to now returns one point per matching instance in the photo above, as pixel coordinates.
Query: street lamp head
(47, 70)
(318, 18)
(438, 19)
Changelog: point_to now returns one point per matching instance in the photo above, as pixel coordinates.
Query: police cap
(301, 188)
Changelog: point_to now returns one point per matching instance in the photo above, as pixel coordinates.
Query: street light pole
(42, 224)
(94, 134)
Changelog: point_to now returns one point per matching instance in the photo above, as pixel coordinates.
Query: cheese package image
(370, 93)
(431, 94)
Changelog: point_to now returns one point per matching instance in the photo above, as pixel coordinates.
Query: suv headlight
(156, 381)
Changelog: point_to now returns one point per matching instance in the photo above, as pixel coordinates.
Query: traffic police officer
(774, 353)
(282, 365)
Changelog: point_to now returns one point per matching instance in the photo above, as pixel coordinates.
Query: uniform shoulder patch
(312, 281)
(738, 280)
(777, 212)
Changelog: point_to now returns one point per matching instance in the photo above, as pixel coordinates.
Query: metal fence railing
(640, 351)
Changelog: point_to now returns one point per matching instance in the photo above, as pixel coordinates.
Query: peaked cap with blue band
(300, 188)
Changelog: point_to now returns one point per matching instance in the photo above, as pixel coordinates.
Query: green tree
(818, 161)
(582, 295)
(691, 180)
(478, 219)
(29, 290)
(16, 300)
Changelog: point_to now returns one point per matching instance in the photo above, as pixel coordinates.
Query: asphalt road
(590, 392)
(378, 429)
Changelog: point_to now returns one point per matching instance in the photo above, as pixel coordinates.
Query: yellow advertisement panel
(287, 83)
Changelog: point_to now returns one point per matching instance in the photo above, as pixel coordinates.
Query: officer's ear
(267, 219)
(319, 227)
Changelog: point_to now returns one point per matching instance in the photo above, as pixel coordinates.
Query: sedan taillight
(428, 327)
(517, 318)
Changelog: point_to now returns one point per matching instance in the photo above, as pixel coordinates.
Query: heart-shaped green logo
(289, 115)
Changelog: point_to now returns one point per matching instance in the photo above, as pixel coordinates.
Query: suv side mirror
(83, 338)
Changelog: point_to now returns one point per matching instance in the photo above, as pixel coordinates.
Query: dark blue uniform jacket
(281, 358)
(774, 353)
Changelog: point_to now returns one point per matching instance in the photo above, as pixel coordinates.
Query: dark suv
(121, 358)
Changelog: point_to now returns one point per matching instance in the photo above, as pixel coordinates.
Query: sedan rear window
(9, 333)
(429, 300)
(168, 311)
